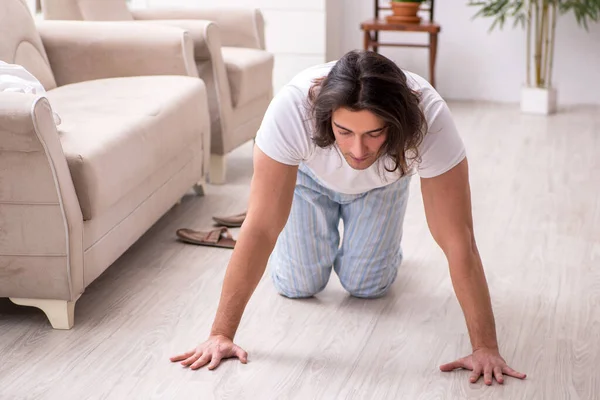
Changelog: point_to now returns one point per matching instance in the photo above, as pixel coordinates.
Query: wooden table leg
(433, 40)
(376, 40)
(367, 39)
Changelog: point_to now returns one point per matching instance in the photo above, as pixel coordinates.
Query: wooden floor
(536, 199)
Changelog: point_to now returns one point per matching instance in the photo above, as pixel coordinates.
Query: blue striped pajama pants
(308, 248)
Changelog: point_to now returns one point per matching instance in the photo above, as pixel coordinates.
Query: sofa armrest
(240, 27)
(41, 254)
(200, 31)
(81, 51)
(211, 68)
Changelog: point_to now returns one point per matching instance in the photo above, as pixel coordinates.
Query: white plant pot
(538, 100)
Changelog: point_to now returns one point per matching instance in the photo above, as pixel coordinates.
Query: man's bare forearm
(246, 267)
(470, 286)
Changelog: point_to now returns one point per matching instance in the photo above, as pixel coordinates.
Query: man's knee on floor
(294, 289)
(367, 289)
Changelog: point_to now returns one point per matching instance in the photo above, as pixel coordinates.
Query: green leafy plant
(538, 17)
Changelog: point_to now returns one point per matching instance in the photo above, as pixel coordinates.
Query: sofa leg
(61, 313)
(199, 189)
(217, 169)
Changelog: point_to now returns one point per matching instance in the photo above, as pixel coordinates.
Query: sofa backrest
(86, 10)
(21, 43)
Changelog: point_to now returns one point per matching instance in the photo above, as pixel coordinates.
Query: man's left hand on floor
(486, 362)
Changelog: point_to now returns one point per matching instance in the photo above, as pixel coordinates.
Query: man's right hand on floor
(215, 349)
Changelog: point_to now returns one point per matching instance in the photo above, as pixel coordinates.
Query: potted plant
(538, 17)
(405, 11)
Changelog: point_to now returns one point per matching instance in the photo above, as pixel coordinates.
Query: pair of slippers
(219, 237)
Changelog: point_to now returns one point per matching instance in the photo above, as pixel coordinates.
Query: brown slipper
(216, 238)
(234, 221)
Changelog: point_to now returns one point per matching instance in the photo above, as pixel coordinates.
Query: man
(341, 141)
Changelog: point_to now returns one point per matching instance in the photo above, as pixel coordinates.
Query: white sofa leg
(218, 169)
(61, 313)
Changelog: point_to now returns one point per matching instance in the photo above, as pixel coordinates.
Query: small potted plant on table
(405, 11)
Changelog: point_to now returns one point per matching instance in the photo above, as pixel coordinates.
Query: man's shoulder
(304, 79)
(294, 93)
(427, 93)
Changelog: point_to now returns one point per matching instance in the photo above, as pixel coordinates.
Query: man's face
(359, 135)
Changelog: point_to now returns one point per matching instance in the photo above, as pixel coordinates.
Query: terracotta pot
(404, 12)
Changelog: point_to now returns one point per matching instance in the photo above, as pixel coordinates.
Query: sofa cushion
(117, 132)
(250, 73)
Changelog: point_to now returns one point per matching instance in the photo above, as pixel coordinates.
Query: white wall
(473, 64)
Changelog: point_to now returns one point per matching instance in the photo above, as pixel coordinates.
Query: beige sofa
(229, 54)
(134, 139)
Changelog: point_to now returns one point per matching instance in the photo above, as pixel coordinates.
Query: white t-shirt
(286, 131)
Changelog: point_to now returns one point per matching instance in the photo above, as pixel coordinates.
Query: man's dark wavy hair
(365, 80)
